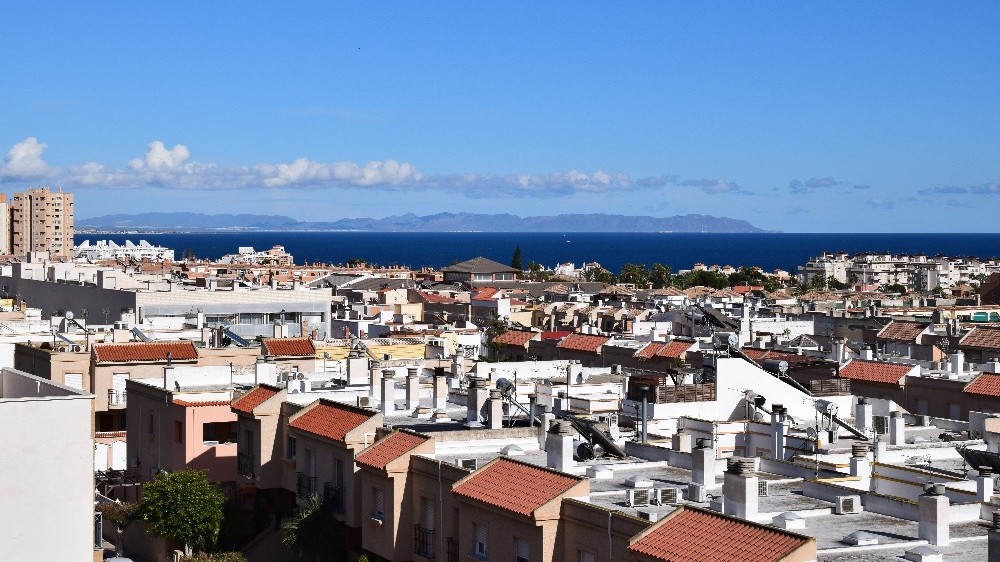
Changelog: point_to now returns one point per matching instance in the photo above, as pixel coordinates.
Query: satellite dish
(69, 315)
(734, 341)
(783, 367)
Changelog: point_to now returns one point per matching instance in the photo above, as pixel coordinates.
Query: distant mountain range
(440, 222)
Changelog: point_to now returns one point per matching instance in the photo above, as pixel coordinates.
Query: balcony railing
(423, 541)
(246, 465)
(334, 495)
(116, 398)
(305, 485)
(452, 549)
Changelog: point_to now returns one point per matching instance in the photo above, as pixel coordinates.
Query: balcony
(452, 549)
(334, 495)
(246, 465)
(305, 485)
(116, 398)
(423, 542)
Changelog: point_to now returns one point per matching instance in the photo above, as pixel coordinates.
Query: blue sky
(803, 117)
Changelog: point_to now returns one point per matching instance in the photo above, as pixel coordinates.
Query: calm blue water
(678, 250)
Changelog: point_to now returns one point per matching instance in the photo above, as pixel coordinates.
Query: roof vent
(860, 538)
(638, 481)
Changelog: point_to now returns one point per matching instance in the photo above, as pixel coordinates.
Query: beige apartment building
(41, 221)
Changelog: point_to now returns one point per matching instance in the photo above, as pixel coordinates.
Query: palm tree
(312, 531)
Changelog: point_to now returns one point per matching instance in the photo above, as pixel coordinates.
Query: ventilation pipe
(412, 388)
(440, 389)
(388, 405)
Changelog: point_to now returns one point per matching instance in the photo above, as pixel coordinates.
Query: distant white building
(109, 250)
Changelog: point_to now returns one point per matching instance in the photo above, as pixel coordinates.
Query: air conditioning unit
(650, 516)
(468, 464)
(665, 496)
(881, 424)
(637, 497)
(77, 348)
(848, 504)
(364, 401)
(762, 488)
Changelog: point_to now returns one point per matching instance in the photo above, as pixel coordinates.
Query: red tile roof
(693, 535)
(675, 349)
(390, 448)
(187, 404)
(254, 398)
(555, 335)
(649, 350)
(902, 331)
(535, 486)
(875, 371)
(987, 384)
(285, 347)
(145, 351)
(435, 298)
(329, 419)
(981, 338)
(759, 355)
(515, 338)
(486, 293)
(581, 342)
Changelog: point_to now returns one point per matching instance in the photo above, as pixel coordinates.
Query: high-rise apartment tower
(41, 221)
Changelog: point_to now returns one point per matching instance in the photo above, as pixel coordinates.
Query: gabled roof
(986, 384)
(981, 337)
(759, 355)
(875, 371)
(902, 331)
(145, 351)
(288, 347)
(582, 342)
(672, 349)
(390, 448)
(435, 298)
(515, 486)
(691, 534)
(330, 419)
(515, 338)
(255, 397)
(480, 265)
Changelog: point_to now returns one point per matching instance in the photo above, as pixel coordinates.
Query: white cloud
(159, 159)
(24, 160)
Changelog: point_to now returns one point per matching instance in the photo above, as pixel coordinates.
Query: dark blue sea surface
(678, 250)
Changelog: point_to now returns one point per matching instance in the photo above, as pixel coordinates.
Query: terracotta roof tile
(875, 371)
(145, 351)
(329, 419)
(435, 298)
(675, 349)
(555, 335)
(285, 347)
(981, 338)
(649, 350)
(515, 338)
(390, 448)
(189, 404)
(255, 397)
(902, 331)
(759, 355)
(691, 534)
(581, 342)
(535, 487)
(986, 384)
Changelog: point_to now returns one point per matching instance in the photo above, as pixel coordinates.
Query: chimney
(863, 414)
(375, 384)
(681, 441)
(388, 392)
(984, 484)
(440, 389)
(740, 489)
(778, 422)
(168, 378)
(993, 547)
(476, 401)
(457, 368)
(702, 470)
(357, 369)
(867, 354)
(495, 420)
(861, 467)
(546, 419)
(897, 428)
(412, 388)
(838, 351)
(264, 372)
(957, 362)
(559, 446)
(933, 525)
(575, 372)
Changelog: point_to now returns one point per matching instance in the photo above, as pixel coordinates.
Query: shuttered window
(480, 534)
(74, 380)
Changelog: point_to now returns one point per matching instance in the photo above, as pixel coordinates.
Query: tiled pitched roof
(691, 534)
(902, 331)
(480, 265)
(667, 292)
(254, 398)
(435, 298)
(581, 342)
(332, 420)
(555, 335)
(874, 371)
(981, 338)
(986, 384)
(486, 293)
(535, 486)
(390, 448)
(188, 404)
(675, 349)
(285, 347)
(649, 350)
(145, 351)
(759, 355)
(515, 338)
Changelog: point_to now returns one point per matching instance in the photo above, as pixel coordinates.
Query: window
(479, 530)
(584, 556)
(520, 550)
(219, 432)
(378, 504)
(74, 380)
(178, 431)
(149, 427)
(290, 448)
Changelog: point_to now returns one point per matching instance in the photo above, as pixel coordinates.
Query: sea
(680, 251)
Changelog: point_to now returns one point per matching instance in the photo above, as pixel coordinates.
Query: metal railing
(423, 541)
(116, 397)
(245, 465)
(305, 485)
(452, 549)
(334, 495)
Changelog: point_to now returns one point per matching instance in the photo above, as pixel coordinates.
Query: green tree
(121, 515)
(515, 260)
(660, 275)
(312, 532)
(599, 275)
(893, 288)
(637, 274)
(183, 506)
